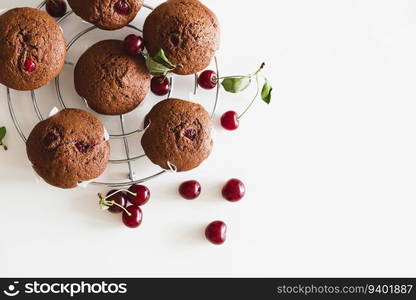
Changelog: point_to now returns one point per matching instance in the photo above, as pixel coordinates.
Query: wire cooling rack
(131, 177)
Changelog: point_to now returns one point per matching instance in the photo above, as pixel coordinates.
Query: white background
(330, 165)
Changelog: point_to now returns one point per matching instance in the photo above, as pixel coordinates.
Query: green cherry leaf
(236, 84)
(159, 64)
(3, 132)
(266, 92)
(161, 58)
(155, 68)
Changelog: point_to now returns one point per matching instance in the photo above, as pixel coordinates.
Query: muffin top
(178, 133)
(107, 14)
(68, 148)
(110, 80)
(32, 48)
(187, 31)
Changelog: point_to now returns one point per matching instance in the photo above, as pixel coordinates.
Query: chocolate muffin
(68, 148)
(186, 30)
(107, 14)
(110, 80)
(178, 133)
(32, 48)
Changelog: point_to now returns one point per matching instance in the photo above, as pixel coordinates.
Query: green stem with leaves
(159, 64)
(237, 84)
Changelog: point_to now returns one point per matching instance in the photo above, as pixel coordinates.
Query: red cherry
(216, 232)
(160, 85)
(208, 79)
(190, 134)
(142, 195)
(56, 8)
(29, 65)
(122, 7)
(83, 147)
(234, 190)
(133, 44)
(229, 120)
(119, 198)
(135, 218)
(190, 189)
(49, 139)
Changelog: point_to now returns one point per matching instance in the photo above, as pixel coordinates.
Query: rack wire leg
(126, 147)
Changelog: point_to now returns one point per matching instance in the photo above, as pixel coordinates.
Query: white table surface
(330, 165)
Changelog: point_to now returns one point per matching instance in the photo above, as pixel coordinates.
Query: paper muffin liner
(106, 134)
(147, 127)
(38, 180)
(86, 103)
(172, 167)
(53, 111)
(85, 184)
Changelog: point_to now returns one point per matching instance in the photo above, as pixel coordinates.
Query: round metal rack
(124, 135)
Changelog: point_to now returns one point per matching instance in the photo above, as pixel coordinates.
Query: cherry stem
(254, 99)
(163, 78)
(116, 204)
(118, 191)
(260, 69)
(104, 201)
(236, 76)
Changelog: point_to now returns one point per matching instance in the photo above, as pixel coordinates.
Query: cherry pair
(233, 191)
(209, 80)
(230, 120)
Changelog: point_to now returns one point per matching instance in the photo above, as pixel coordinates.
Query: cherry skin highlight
(29, 65)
